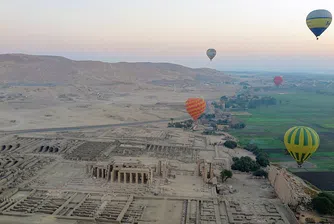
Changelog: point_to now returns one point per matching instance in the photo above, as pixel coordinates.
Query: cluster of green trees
(267, 101)
(209, 116)
(239, 102)
(184, 124)
(262, 158)
(222, 122)
(209, 132)
(324, 203)
(246, 164)
(245, 101)
(230, 144)
(239, 125)
(244, 84)
(260, 173)
(217, 106)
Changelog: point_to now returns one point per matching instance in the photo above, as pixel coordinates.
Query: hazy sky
(247, 34)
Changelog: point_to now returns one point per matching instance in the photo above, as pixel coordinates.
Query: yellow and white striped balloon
(318, 21)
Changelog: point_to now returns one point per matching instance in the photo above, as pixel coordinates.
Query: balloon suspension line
(302, 167)
(209, 64)
(195, 124)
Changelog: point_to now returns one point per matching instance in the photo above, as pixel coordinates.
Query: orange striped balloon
(195, 107)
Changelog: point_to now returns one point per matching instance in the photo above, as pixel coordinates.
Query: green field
(267, 125)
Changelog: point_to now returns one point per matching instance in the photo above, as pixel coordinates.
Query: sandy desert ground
(57, 92)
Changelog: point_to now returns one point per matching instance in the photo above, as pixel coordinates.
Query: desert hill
(55, 69)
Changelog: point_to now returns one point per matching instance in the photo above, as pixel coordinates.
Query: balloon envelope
(278, 80)
(211, 53)
(301, 142)
(195, 107)
(318, 21)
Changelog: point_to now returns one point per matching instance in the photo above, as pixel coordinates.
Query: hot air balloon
(301, 142)
(318, 21)
(195, 107)
(211, 53)
(278, 80)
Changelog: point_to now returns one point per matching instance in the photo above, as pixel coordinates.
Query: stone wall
(290, 189)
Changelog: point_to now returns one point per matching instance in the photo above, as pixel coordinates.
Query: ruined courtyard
(129, 175)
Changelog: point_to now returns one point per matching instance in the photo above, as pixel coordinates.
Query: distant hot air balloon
(211, 53)
(301, 142)
(278, 80)
(318, 21)
(195, 107)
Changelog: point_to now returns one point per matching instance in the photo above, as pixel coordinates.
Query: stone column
(164, 170)
(198, 170)
(119, 177)
(87, 168)
(92, 172)
(136, 178)
(131, 178)
(159, 168)
(151, 179)
(112, 176)
(108, 172)
(211, 170)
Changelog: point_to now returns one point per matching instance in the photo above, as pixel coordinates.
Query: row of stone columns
(125, 177)
(139, 177)
(99, 172)
(166, 148)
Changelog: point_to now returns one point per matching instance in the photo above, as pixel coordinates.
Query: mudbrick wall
(290, 189)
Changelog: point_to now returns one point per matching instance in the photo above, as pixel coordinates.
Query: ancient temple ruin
(128, 172)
